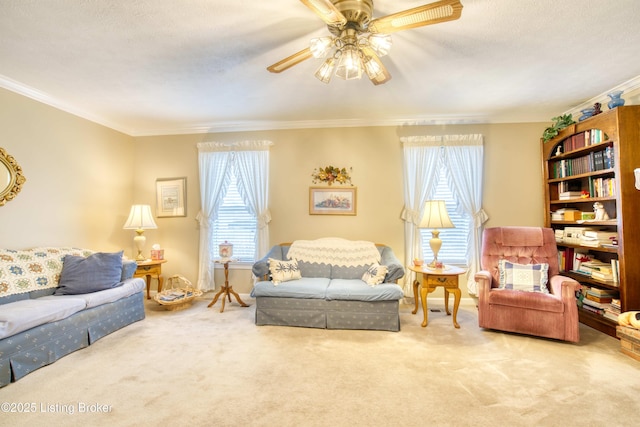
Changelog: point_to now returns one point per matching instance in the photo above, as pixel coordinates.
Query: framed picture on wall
(332, 201)
(171, 197)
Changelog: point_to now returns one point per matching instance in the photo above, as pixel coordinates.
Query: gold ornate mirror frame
(11, 178)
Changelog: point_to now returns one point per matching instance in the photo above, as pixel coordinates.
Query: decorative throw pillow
(94, 273)
(283, 271)
(375, 274)
(129, 268)
(523, 277)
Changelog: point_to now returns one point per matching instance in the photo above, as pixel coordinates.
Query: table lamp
(140, 219)
(435, 216)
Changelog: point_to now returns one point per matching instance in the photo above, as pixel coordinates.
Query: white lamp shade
(140, 218)
(435, 215)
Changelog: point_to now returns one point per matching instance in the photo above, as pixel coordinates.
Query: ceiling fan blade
(433, 13)
(327, 12)
(290, 61)
(383, 75)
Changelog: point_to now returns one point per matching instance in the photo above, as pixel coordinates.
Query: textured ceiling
(168, 66)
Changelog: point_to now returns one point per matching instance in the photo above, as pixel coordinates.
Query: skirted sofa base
(329, 314)
(27, 351)
(54, 301)
(330, 291)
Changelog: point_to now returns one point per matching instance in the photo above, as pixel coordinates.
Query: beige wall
(83, 177)
(78, 189)
(513, 190)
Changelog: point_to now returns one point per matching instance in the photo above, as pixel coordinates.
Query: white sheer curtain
(462, 156)
(216, 160)
(420, 159)
(252, 168)
(213, 163)
(463, 160)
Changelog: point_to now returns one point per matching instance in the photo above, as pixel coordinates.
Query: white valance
(441, 140)
(204, 147)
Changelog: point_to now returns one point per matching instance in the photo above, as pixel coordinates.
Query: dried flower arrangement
(330, 174)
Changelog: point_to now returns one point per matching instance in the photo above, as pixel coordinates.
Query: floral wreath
(330, 174)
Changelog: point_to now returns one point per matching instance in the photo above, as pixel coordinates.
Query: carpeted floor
(200, 367)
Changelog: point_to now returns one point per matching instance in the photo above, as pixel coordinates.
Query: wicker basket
(178, 293)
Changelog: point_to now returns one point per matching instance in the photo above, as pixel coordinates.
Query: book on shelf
(599, 305)
(592, 309)
(565, 195)
(611, 316)
(602, 300)
(603, 292)
(615, 265)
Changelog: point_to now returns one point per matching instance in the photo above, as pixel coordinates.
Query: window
(236, 225)
(455, 241)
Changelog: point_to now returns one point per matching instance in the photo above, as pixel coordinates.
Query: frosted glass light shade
(320, 46)
(349, 64)
(380, 43)
(325, 71)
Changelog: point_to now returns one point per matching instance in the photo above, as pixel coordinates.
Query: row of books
(585, 264)
(586, 236)
(597, 187)
(592, 162)
(583, 139)
(603, 302)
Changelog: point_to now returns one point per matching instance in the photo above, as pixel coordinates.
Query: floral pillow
(283, 271)
(523, 277)
(375, 274)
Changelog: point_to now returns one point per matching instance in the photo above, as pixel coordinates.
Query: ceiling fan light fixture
(380, 43)
(320, 46)
(372, 68)
(349, 64)
(325, 71)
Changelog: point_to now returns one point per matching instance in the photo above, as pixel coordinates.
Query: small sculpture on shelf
(601, 213)
(597, 108)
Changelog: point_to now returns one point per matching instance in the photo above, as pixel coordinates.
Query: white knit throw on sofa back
(335, 251)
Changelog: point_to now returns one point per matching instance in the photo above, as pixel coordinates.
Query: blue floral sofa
(54, 301)
(329, 283)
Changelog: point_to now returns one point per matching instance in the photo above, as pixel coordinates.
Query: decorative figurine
(601, 214)
(596, 108)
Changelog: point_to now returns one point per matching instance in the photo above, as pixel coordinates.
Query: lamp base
(139, 240)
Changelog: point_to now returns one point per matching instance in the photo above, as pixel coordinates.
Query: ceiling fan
(357, 42)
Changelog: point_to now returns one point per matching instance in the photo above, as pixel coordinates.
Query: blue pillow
(129, 267)
(97, 272)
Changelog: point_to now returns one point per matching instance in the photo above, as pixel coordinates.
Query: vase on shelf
(586, 113)
(616, 100)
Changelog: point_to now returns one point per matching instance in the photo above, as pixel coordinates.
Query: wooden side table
(150, 269)
(226, 291)
(430, 279)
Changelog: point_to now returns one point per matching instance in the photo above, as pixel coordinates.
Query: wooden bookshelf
(619, 133)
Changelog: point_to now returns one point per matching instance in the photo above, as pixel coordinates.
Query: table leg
(456, 304)
(215, 298)
(148, 277)
(415, 295)
(237, 297)
(446, 301)
(159, 283)
(423, 295)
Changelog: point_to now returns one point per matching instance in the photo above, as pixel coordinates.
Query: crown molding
(630, 88)
(45, 98)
